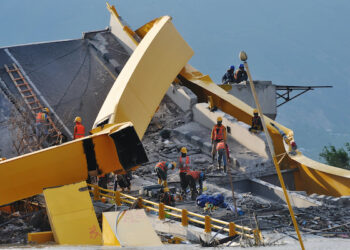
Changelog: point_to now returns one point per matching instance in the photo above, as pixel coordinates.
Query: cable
(71, 83)
(88, 81)
(56, 59)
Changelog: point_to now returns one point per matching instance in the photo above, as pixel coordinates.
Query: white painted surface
(183, 97)
(117, 29)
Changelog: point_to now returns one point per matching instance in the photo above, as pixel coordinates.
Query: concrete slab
(205, 117)
(130, 228)
(266, 93)
(183, 97)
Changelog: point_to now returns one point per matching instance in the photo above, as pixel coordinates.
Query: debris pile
(14, 227)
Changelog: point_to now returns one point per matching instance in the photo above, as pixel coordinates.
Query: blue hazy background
(289, 42)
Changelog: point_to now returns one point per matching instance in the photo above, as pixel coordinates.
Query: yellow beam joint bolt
(184, 218)
(161, 212)
(97, 195)
(232, 228)
(210, 102)
(207, 226)
(117, 198)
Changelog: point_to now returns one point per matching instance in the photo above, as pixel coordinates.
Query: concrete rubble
(172, 128)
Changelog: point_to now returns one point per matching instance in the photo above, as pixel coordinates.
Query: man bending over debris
(162, 171)
(184, 166)
(191, 178)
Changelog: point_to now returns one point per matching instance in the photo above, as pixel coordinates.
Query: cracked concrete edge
(183, 97)
(274, 192)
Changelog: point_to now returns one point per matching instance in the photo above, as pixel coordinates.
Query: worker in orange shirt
(218, 133)
(79, 129)
(184, 166)
(191, 178)
(223, 153)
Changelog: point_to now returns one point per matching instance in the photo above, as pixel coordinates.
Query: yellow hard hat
(184, 150)
(174, 163)
(255, 111)
(166, 189)
(219, 119)
(77, 119)
(46, 110)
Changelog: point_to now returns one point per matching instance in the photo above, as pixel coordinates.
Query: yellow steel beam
(72, 216)
(114, 149)
(146, 77)
(313, 176)
(272, 151)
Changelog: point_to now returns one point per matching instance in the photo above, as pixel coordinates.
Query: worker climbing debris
(256, 122)
(184, 164)
(41, 125)
(229, 76)
(79, 129)
(161, 170)
(240, 74)
(191, 179)
(123, 180)
(218, 133)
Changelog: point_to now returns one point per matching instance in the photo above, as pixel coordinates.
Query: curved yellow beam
(104, 152)
(313, 177)
(146, 77)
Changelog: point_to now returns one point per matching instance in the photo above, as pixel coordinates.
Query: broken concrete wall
(183, 97)
(266, 93)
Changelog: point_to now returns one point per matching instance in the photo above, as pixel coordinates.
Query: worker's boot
(165, 184)
(159, 181)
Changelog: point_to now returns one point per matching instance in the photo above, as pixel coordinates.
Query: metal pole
(231, 183)
(244, 58)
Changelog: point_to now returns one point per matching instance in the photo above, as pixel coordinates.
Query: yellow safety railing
(186, 216)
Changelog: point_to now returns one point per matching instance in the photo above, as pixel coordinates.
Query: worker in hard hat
(223, 154)
(241, 74)
(184, 166)
(41, 125)
(191, 178)
(256, 122)
(218, 133)
(229, 76)
(79, 129)
(161, 170)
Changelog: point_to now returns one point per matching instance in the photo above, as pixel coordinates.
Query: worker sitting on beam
(256, 123)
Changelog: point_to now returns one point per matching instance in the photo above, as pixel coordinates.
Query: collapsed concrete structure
(100, 55)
